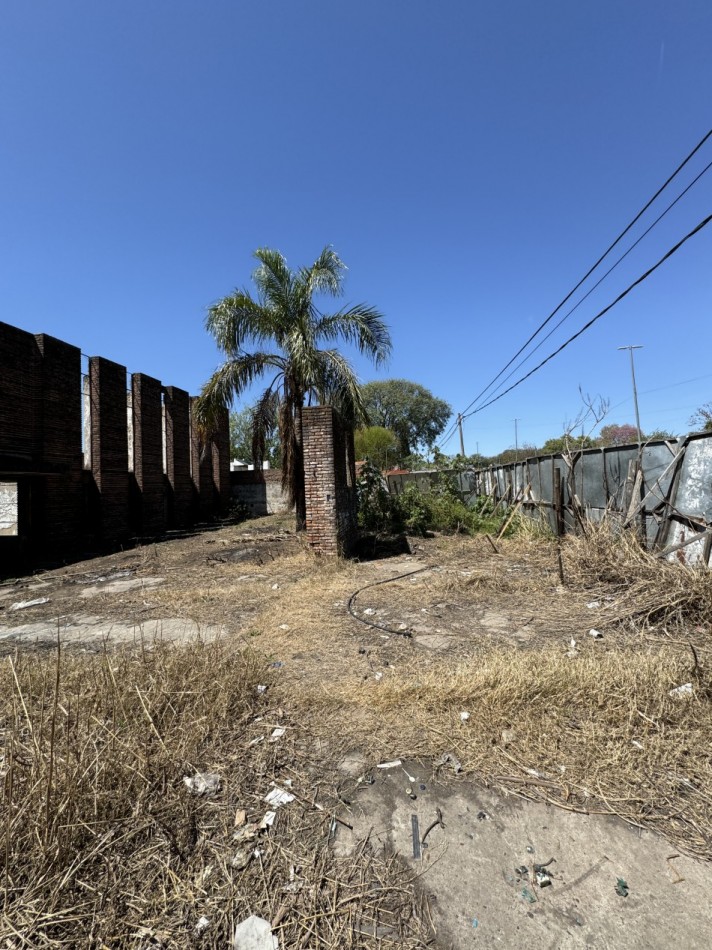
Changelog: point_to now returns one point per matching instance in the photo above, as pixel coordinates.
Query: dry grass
(643, 588)
(596, 732)
(104, 846)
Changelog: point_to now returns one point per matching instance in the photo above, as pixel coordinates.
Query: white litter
(277, 734)
(464, 716)
(594, 604)
(22, 604)
(255, 933)
(261, 689)
(201, 926)
(203, 783)
(390, 765)
(681, 692)
(369, 611)
(257, 740)
(278, 797)
(378, 676)
(638, 745)
(275, 586)
(268, 819)
(284, 626)
(596, 634)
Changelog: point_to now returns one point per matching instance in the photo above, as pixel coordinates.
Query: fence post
(558, 502)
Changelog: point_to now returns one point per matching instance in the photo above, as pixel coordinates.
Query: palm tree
(283, 330)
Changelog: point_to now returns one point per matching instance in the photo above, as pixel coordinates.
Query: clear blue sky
(468, 160)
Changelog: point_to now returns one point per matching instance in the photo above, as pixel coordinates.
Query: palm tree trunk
(298, 480)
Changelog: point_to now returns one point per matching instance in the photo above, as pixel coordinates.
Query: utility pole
(516, 441)
(635, 388)
(462, 441)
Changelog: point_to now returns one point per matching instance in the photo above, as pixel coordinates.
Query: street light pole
(516, 441)
(635, 388)
(462, 440)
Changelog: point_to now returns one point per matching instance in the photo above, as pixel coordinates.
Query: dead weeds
(104, 844)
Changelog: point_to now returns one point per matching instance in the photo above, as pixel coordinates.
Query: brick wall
(220, 450)
(109, 449)
(201, 470)
(177, 436)
(61, 507)
(330, 493)
(149, 509)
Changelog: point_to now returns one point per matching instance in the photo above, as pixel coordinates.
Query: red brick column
(20, 407)
(148, 452)
(177, 434)
(331, 510)
(60, 521)
(109, 447)
(201, 471)
(220, 446)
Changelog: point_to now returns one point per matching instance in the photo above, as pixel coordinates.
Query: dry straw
(104, 845)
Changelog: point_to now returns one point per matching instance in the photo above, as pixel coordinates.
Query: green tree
(241, 435)
(618, 435)
(377, 444)
(702, 419)
(660, 434)
(280, 334)
(567, 443)
(408, 409)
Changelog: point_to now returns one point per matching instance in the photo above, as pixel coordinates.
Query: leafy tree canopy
(377, 444)
(702, 419)
(617, 435)
(566, 443)
(407, 409)
(242, 426)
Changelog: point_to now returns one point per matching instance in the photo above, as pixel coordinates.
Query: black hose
(387, 580)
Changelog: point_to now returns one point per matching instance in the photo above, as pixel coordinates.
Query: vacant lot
(236, 652)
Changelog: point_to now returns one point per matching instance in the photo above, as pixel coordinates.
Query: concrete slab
(91, 632)
(120, 586)
(477, 898)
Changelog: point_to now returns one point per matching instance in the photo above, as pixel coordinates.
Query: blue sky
(468, 160)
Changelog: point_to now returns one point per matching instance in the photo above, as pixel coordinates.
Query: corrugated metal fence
(665, 488)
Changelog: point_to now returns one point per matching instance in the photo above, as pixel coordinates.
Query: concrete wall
(66, 504)
(260, 492)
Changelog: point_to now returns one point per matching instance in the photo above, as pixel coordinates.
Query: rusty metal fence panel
(664, 487)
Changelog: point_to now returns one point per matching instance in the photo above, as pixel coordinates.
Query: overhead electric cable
(586, 326)
(601, 279)
(592, 269)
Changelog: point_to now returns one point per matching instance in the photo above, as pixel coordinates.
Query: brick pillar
(20, 408)
(62, 496)
(201, 470)
(177, 435)
(109, 447)
(220, 446)
(148, 452)
(20, 438)
(331, 510)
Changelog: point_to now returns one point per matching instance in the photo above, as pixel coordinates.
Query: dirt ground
(450, 650)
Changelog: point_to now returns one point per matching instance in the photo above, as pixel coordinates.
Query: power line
(591, 269)
(601, 279)
(586, 326)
